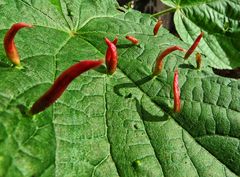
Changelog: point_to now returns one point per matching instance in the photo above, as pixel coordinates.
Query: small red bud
(111, 56)
(159, 60)
(156, 27)
(198, 60)
(132, 39)
(9, 45)
(61, 83)
(194, 46)
(176, 93)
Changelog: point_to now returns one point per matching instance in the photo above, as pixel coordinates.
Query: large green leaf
(120, 125)
(219, 19)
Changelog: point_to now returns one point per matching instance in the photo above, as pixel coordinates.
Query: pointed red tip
(176, 93)
(9, 45)
(61, 84)
(156, 27)
(194, 45)
(132, 39)
(159, 60)
(111, 56)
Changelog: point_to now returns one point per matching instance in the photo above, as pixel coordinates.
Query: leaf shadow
(124, 45)
(186, 66)
(147, 116)
(127, 45)
(143, 113)
(24, 110)
(139, 82)
(4, 65)
(101, 69)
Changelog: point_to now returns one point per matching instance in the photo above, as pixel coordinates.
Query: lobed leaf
(219, 19)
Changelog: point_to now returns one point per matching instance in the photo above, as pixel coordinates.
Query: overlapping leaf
(219, 19)
(120, 125)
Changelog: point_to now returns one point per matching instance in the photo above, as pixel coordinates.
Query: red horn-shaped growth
(9, 45)
(61, 83)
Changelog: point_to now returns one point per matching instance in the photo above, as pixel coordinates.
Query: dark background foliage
(151, 7)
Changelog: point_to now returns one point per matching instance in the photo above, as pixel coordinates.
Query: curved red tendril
(194, 46)
(176, 92)
(9, 45)
(159, 60)
(61, 83)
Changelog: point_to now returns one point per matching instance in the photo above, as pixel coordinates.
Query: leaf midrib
(44, 14)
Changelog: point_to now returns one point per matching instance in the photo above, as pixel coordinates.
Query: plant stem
(172, 9)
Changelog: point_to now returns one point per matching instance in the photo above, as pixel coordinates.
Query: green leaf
(119, 125)
(219, 19)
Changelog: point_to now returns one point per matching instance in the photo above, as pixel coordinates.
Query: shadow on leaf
(125, 46)
(4, 65)
(24, 110)
(147, 116)
(142, 81)
(101, 69)
(186, 66)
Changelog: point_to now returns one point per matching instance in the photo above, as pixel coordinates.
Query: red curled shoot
(159, 60)
(132, 39)
(9, 45)
(156, 27)
(111, 56)
(198, 60)
(61, 83)
(108, 53)
(176, 93)
(194, 46)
